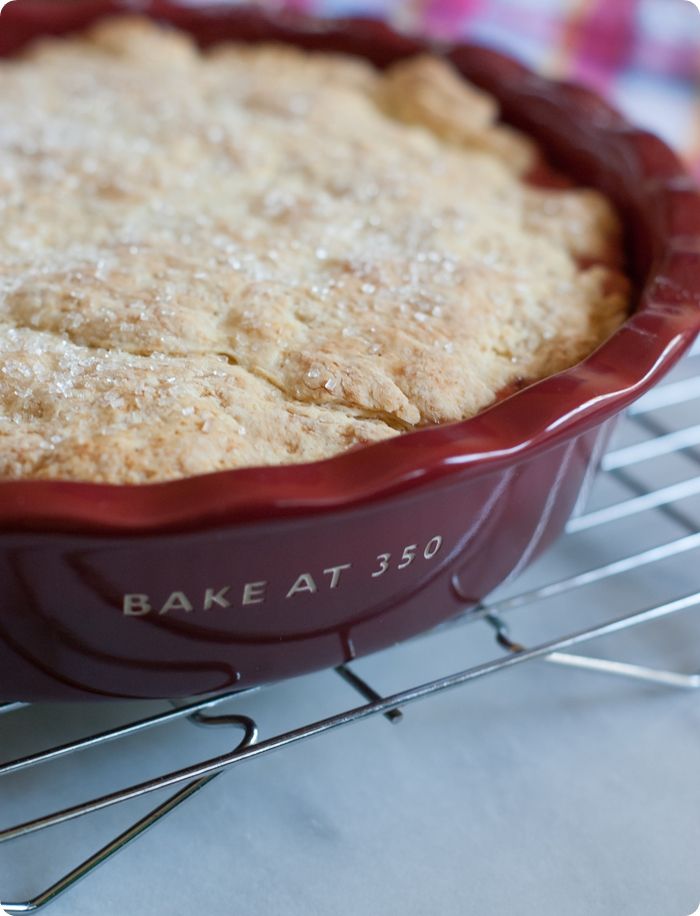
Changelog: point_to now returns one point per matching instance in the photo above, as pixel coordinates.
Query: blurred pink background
(642, 54)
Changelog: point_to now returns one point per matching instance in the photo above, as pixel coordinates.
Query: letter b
(136, 605)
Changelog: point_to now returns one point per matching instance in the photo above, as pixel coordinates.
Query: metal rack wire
(649, 418)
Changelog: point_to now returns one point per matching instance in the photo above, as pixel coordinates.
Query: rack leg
(141, 826)
(601, 665)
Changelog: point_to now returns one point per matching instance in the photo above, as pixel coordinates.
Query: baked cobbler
(258, 255)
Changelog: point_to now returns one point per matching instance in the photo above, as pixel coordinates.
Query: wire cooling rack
(655, 432)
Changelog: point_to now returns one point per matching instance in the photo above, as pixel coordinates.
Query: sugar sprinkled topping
(202, 237)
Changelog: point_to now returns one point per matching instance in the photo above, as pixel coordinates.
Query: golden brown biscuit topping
(259, 256)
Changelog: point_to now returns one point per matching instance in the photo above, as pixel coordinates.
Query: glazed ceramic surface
(252, 575)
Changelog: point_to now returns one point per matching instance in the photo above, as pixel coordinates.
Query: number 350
(408, 556)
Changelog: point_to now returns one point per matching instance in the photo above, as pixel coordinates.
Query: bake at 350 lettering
(138, 604)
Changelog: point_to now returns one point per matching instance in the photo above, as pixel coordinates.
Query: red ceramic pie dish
(247, 576)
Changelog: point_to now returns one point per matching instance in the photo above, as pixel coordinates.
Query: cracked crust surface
(260, 256)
